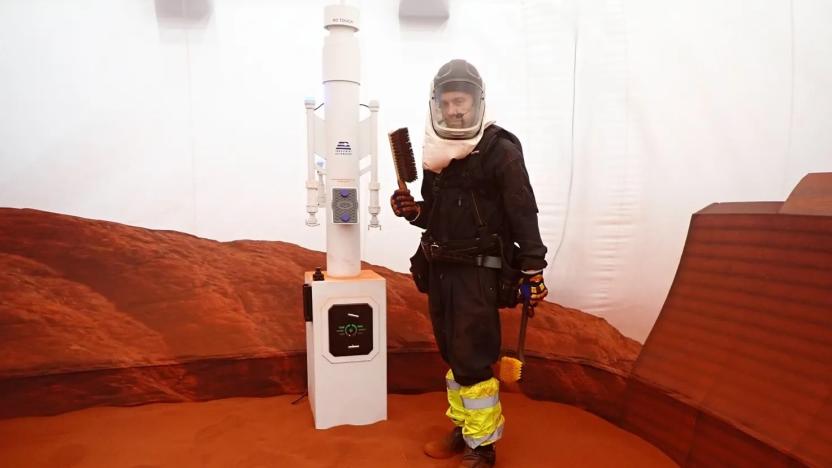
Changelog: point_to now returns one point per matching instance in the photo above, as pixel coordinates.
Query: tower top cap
(341, 15)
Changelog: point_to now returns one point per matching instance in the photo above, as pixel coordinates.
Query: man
(480, 217)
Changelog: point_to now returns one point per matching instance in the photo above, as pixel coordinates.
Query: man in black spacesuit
(481, 242)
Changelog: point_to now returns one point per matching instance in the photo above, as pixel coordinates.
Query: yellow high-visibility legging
(455, 409)
(476, 409)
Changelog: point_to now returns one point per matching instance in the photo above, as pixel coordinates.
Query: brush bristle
(403, 155)
(511, 369)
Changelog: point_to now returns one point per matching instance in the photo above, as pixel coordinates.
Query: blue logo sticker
(343, 148)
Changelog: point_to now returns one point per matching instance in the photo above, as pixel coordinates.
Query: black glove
(404, 206)
(531, 287)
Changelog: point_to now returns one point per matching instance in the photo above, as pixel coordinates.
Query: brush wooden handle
(402, 185)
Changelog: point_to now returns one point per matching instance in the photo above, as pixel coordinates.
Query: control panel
(350, 329)
(344, 206)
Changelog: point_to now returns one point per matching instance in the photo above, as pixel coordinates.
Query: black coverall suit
(489, 187)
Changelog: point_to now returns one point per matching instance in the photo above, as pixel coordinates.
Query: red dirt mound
(95, 312)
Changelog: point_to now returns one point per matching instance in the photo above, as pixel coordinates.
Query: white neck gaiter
(437, 153)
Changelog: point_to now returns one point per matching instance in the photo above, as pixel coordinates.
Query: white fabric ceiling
(633, 116)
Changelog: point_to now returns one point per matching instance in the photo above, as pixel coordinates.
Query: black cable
(300, 398)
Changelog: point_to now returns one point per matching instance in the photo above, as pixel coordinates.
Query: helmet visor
(456, 109)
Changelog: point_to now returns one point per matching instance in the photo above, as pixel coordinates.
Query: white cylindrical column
(341, 75)
(346, 309)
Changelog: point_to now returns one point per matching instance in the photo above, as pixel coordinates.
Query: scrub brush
(403, 159)
(511, 369)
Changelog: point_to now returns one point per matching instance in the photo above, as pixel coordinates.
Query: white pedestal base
(346, 349)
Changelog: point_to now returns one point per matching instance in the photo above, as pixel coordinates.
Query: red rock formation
(95, 312)
(737, 370)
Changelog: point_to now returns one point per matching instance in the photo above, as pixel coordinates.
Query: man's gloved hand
(403, 204)
(532, 287)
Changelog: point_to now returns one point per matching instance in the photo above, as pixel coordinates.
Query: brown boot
(446, 447)
(483, 456)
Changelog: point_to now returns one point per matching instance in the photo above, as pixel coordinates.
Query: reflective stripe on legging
(474, 442)
(480, 403)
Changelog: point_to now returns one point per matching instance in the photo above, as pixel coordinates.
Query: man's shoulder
(503, 147)
(501, 131)
(497, 135)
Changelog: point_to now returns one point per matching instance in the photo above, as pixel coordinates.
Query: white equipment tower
(345, 307)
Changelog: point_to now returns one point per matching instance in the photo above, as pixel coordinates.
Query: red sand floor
(270, 432)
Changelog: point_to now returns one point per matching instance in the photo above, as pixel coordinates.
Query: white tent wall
(129, 111)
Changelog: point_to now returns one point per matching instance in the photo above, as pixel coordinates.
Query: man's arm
(520, 208)
(426, 205)
(417, 213)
